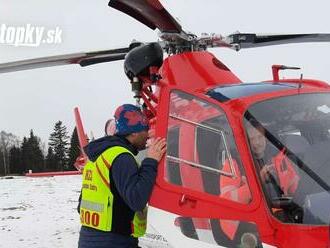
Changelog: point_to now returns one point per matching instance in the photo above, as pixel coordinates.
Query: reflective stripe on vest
(97, 199)
(139, 225)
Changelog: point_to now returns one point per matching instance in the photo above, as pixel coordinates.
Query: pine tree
(38, 157)
(74, 150)
(51, 162)
(58, 141)
(32, 156)
(15, 161)
(25, 154)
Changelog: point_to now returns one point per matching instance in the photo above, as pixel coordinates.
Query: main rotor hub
(174, 43)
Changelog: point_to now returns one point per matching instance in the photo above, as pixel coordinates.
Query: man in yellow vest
(115, 189)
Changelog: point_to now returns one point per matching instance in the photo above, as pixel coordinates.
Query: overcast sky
(36, 99)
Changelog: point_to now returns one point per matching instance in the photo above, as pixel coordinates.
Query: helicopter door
(203, 170)
(201, 155)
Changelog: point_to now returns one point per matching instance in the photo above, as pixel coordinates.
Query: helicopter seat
(192, 178)
(234, 189)
(190, 175)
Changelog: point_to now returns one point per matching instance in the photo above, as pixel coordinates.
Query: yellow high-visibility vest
(96, 205)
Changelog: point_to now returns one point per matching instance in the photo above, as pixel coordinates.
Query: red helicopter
(222, 133)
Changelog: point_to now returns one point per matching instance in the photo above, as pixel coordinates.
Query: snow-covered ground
(39, 212)
(42, 212)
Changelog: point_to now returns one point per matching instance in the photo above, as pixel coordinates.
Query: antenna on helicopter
(277, 68)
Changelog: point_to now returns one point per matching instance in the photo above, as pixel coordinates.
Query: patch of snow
(39, 212)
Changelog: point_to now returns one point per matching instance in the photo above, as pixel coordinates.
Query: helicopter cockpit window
(289, 139)
(201, 152)
(229, 92)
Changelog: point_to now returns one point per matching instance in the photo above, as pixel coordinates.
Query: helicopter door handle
(187, 200)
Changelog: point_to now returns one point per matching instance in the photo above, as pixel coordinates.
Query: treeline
(18, 157)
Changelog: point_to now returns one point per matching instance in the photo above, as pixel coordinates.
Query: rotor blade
(149, 12)
(239, 41)
(83, 59)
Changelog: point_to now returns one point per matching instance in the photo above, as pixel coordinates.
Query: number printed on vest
(89, 219)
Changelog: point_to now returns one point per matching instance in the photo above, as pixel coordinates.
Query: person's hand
(266, 171)
(151, 135)
(156, 149)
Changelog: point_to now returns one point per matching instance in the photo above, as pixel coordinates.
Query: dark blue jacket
(131, 187)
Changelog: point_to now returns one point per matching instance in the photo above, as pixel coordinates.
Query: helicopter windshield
(289, 141)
